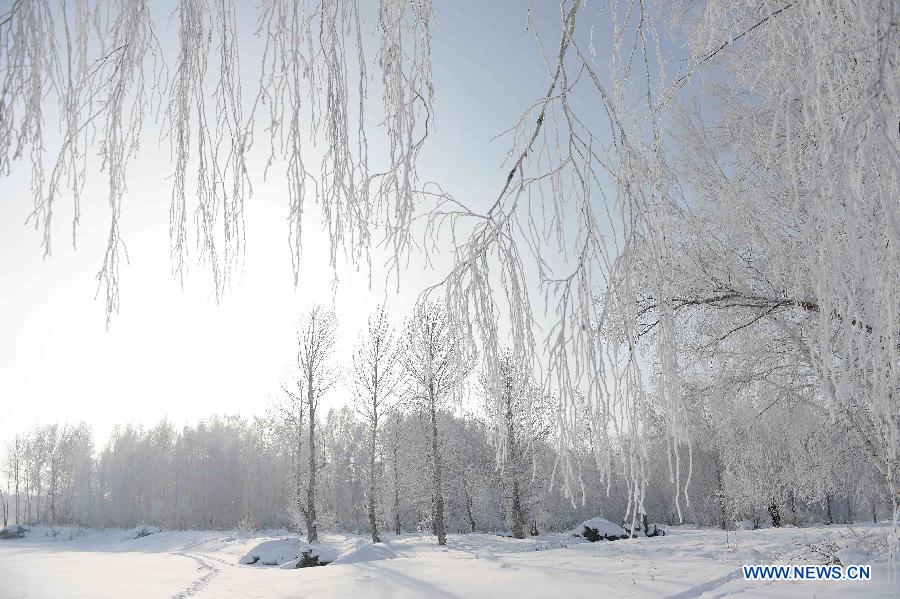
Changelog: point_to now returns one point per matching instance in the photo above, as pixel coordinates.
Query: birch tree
(316, 340)
(376, 376)
(506, 399)
(15, 450)
(433, 363)
(291, 411)
(393, 446)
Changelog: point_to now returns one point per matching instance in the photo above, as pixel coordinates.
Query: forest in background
(784, 465)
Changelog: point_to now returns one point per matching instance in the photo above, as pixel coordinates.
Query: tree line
(432, 441)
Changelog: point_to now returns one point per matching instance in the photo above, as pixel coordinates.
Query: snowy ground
(686, 563)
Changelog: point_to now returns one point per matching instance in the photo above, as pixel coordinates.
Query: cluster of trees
(50, 471)
(409, 452)
(705, 198)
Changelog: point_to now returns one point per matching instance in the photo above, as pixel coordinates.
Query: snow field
(687, 562)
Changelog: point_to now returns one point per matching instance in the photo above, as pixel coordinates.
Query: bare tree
(14, 470)
(315, 354)
(505, 399)
(519, 414)
(395, 427)
(433, 362)
(291, 410)
(376, 376)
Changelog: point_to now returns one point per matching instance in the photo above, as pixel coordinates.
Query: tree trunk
(775, 515)
(298, 478)
(16, 475)
(468, 499)
(396, 490)
(373, 525)
(516, 515)
(723, 522)
(828, 518)
(38, 492)
(518, 520)
(27, 498)
(437, 490)
(792, 506)
(311, 532)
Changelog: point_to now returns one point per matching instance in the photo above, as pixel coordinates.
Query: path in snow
(204, 565)
(706, 587)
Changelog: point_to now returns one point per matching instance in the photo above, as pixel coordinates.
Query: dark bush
(654, 530)
(775, 515)
(13, 531)
(593, 535)
(651, 530)
(308, 560)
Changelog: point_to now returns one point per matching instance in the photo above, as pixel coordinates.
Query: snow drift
(597, 528)
(288, 553)
(370, 552)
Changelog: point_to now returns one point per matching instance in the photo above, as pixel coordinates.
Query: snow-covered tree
(376, 376)
(344, 473)
(516, 407)
(433, 363)
(15, 450)
(316, 340)
(397, 447)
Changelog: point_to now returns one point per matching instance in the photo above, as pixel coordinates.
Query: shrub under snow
(13, 531)
(289, 553)
(598, 528)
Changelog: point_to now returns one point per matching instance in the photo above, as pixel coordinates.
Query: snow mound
(486, 554)
(287, 553)
(370, 552)
(325, 553)
(272, 553)
(272, 532)
(604, 528)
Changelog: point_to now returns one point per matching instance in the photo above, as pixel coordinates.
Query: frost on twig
(576, 200)
(102, 63)
(315, 79)
(222, 141)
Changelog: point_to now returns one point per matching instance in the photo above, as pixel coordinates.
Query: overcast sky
(177, 353)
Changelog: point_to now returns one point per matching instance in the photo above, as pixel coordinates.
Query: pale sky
(179, 354)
